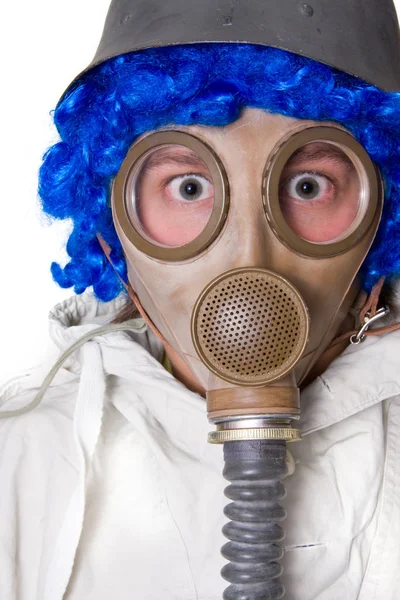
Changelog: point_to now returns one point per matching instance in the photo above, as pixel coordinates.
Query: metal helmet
(360, 38)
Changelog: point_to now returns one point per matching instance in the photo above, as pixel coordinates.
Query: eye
(320, 192)
(190, 187)
(307, 186)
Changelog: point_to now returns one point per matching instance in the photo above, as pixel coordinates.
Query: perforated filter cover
(250, 326)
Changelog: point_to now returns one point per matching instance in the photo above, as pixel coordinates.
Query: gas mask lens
(321, 191)
(171, 194)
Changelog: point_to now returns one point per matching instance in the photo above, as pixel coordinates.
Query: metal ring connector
(286, 434)
(360, 336)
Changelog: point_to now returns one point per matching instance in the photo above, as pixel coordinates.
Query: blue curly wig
(206, 84)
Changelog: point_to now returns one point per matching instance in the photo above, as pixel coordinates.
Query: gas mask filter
(243, 247)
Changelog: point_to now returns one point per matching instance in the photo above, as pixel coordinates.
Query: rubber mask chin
(243, 244)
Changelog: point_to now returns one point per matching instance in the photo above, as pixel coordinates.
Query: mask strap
(371, 304)
(368, 314)
(132, 294)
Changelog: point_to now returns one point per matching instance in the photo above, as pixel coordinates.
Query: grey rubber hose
(255, 470)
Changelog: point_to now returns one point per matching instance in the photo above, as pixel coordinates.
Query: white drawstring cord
(88, 417)
(128, 326)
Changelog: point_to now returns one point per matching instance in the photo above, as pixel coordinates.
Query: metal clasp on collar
(360, 336)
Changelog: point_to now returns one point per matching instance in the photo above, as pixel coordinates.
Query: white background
(44, 44)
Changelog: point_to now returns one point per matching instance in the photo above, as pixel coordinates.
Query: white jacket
(109, 489)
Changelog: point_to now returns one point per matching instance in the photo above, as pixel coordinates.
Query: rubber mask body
(169, 290)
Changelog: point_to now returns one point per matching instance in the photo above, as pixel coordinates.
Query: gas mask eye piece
(171, 195)
(321, 192)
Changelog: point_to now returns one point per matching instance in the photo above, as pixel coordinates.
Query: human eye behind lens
(176, 175)
(319, 192)
(173, 195)
(188, 188)
(308, 187)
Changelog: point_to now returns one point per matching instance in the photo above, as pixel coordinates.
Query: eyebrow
(165, 156)
(319, 152)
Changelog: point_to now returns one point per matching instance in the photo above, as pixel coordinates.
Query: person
(216, 181)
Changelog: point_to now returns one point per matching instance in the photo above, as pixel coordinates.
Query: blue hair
(206, 84)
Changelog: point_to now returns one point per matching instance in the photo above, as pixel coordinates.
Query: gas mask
(234, 238)
(243, 243)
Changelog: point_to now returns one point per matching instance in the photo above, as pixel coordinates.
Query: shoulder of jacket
(56, 406)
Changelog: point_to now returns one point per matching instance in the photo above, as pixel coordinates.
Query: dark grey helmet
(360, 37)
